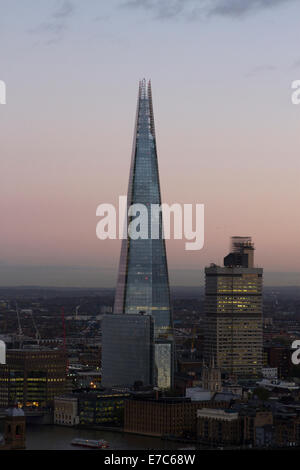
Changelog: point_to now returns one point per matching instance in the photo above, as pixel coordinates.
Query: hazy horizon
(95, 277)
(227, 133)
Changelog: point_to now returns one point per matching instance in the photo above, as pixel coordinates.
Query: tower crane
(37, 333)
(64, 336)
(20, 334)
(193, 349)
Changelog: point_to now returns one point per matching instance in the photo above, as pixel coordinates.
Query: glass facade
(143, 283)
(101, 409)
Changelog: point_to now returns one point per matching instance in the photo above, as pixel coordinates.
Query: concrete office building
(233, 306)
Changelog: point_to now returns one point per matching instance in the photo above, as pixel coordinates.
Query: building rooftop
(226, 415)
(14, 411)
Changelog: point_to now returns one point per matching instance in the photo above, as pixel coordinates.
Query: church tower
(211, 377)
(15, 428)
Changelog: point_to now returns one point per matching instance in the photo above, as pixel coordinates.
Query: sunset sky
(227, 132)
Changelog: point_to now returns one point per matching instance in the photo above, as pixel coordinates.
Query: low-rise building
(254, 419)
(269, 372)
(66, 411)
(287, 431)
(90, 408)
(101, 408)
(264, 436)
(219, 427)
(164, 416)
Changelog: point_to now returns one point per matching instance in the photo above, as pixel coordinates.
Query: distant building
(91, 358)
(269, 372)
(219, 427)
(211, 382)
(87, 379)
(104, 408)
(287, 431)
(278, 384)
(233, 304)
(183, 381)
(127, 350)
(264, 436)
(106, 309)
(32, 377)
(198, 394)
(2, 352)
(253, 420)
(66, 411)
(280, 357)
(211, 377)
(190, 367)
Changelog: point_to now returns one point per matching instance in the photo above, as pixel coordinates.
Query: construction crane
(76, 311)
(64, 336)
(37, 333)
(20, 331)
(193, 349)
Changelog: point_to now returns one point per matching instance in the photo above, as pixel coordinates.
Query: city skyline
(150, 260)
(227, 130)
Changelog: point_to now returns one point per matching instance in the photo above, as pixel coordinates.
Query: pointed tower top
(145, 90)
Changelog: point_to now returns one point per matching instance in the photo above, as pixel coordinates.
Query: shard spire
(143, 282)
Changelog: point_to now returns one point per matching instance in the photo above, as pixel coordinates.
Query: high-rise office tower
(143, 283)
(233, 305)
(32, 377)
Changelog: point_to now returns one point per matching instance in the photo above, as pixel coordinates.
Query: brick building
(164, 416)
(219, 427)
(287, 431)
(66, 411)
(254, 419)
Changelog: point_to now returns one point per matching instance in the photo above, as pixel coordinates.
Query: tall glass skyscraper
(143, 283)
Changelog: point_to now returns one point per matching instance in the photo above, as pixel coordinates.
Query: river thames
(50, 437)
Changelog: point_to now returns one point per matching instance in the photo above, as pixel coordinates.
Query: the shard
(143, 282)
